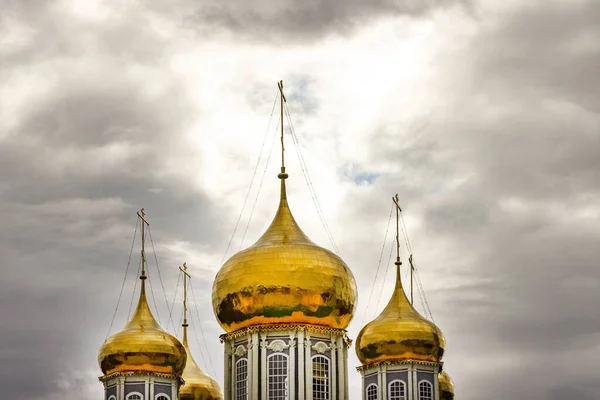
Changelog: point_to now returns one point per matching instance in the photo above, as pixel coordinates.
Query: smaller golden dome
(446, 386)
(400, 333)
(143, 346)
(198, 385)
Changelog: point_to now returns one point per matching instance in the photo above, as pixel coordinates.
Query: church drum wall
(132, 387)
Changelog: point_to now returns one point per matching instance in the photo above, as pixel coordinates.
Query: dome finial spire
(398, 262)
(144, 222)
(282, 175)
(185, 324)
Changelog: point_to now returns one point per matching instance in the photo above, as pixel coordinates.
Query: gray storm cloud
(498, 174)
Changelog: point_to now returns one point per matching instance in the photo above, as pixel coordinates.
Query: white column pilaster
(383, 382)
(121, 389)
(334, 376)
(301, 379)
(364, 389)
(308, 368)
(413, 368)
(250, 367)
(255, 366)
(232, 375)
(379, 382)
(346, 389)
(263, 366)
(436, 382)
(174, 391)
(227, 370)
(341, 368)
(292, 367)
(151, 388)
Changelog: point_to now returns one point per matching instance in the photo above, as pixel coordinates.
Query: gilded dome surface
(446, 386)
(143, 346)
(284, 278)
(198, 385)
(399, 333)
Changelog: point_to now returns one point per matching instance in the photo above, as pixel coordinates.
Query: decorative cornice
(106, 378)
(398, 362)
(291, 327)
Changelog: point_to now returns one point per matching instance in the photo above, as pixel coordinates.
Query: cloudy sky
(483, 115)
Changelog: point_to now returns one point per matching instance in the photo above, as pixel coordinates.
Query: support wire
(309, 181)
(385, 277)
(251, 182)
(124, 279)
(201, 330)
(259, 187)
(378, 266)
(134, 287)
(160, 279)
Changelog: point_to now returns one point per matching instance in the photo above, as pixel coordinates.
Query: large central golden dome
(400, 333)
(284, 278)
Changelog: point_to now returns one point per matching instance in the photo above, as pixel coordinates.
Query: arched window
(277, 376)
(134, 396)
(320, 378)
(162, 396)
(425, 391)
(372, 392)
(241, 379)
(397, 390)
(113, 397)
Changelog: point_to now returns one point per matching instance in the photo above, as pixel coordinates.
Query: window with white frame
(277, 369)
(397, 390)
(162, 396)
(241, 379)
(113, 397)
(134, 396)
(320, 378)
(425, 391)
(372, 392)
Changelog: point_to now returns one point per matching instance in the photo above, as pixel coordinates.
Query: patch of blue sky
(367, 178)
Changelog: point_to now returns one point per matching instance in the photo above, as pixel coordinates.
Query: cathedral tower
(142, 362)
(284, 303)
(400, 351)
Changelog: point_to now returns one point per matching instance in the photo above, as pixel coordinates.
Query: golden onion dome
(284, 278)
(446, 386)
(198, 385)
(143, 346)
(400, 333)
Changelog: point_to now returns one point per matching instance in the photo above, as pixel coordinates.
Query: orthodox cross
(185, 276)
(398, 211)
(283, 100)
(142, 215)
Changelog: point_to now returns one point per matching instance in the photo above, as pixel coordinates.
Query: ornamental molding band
(140, 373)
(398, 362)
(240, 350)
(324, 330)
